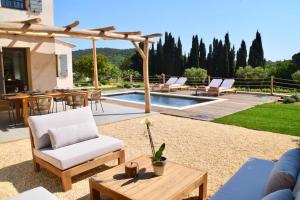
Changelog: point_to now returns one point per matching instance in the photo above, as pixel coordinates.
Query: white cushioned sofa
(260, 179)
(68, 143)
(38, 193)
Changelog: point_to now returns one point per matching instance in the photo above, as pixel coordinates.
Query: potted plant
(158, 160)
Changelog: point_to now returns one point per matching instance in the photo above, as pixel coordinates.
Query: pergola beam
(60, 32)
(139, 50)
(152, 35)
(129, 33)
(71, 26)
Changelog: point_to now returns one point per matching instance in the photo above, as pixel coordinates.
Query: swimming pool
(164, 100)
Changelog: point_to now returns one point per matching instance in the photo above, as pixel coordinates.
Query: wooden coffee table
(176, 183)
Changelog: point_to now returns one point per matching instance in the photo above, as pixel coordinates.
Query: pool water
(161, 99)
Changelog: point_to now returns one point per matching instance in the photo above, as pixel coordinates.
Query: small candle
(131, 169)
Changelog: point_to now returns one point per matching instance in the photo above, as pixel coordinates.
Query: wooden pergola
(32, 27)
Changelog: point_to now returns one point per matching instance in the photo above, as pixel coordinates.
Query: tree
(179, 59)
(84, 67)
(169, 54)
(193, 59)
(256, 54)
(296, 60)
(202, 57)
(231, 58)
(209, 64)
(160, 61)
(137, 61)
(296, 76)
(152, 63)
(241, 56)
(282, 69)
(195, 74)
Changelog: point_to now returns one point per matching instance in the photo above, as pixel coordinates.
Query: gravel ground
(216, 148)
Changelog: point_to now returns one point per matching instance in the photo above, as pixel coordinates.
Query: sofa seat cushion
(285, 194)
(40, 125)
(75, 154)
(35, 194)
(285, 172)
(248, 183)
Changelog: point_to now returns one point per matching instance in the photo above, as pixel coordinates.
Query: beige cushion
(285, 172)
(75, 154)
(72, 134)
(41, 124)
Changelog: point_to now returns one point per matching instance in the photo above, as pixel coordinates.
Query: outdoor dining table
(23, 98)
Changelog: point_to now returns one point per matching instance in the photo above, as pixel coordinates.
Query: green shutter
(63, 61)
(36, 6)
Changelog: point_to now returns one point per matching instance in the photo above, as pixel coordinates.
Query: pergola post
(96, 82)
(146, 77)
(2, 80)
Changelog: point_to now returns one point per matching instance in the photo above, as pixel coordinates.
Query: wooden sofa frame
(67, 174)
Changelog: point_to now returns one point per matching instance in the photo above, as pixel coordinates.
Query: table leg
(203, 189)
(17, 104)
(25, 111)
(94, 194)
(86, 99)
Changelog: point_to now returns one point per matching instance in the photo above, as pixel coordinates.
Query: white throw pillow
(72, 134)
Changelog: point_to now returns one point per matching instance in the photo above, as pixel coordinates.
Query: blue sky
(277, 21)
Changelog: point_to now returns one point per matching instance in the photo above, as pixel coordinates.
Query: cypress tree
(152, 64)
(202, 58)
(193, 60)
(225, 56)
(256, 53)
(231, 62)
(160, 57)
(241, 56)
(209, 61)
(137, 61)
(179, 60)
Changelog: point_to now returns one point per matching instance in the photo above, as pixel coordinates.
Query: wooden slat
(129, 33)
(72, 25)
(32, 21)
(108, 28)
(152, 35)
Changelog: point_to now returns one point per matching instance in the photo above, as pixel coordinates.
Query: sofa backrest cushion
(40, 125)
(285, 172)
(72, 134)
(285, 194)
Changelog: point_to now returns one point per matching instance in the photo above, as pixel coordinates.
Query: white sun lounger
(179, 84)
(214, 83)
(158, 86)
(226, 86)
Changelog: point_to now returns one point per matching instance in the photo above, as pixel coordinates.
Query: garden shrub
(296, 76)
(288, 100)
(195, 74)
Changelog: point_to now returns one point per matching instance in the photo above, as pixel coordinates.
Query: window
(16, 4)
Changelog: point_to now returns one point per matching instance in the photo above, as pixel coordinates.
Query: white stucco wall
(8, 14)
(41, 60)
(62, 47)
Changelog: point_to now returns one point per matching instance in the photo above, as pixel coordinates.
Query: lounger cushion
(75, 154)
(248, 183)
(285, 194)
(35, 194)
(41, 124)
(285, 172)
(72, 134)
(297, 186)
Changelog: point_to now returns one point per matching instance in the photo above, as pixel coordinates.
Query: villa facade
(29, 62)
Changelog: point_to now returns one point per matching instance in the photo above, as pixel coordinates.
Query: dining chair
(6, 105)
(75, 100)
(95, 96)
(40, 104)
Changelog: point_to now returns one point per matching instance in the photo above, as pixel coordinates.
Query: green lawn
(274, 117)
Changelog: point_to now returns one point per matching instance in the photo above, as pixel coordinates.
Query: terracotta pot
(159, 167)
